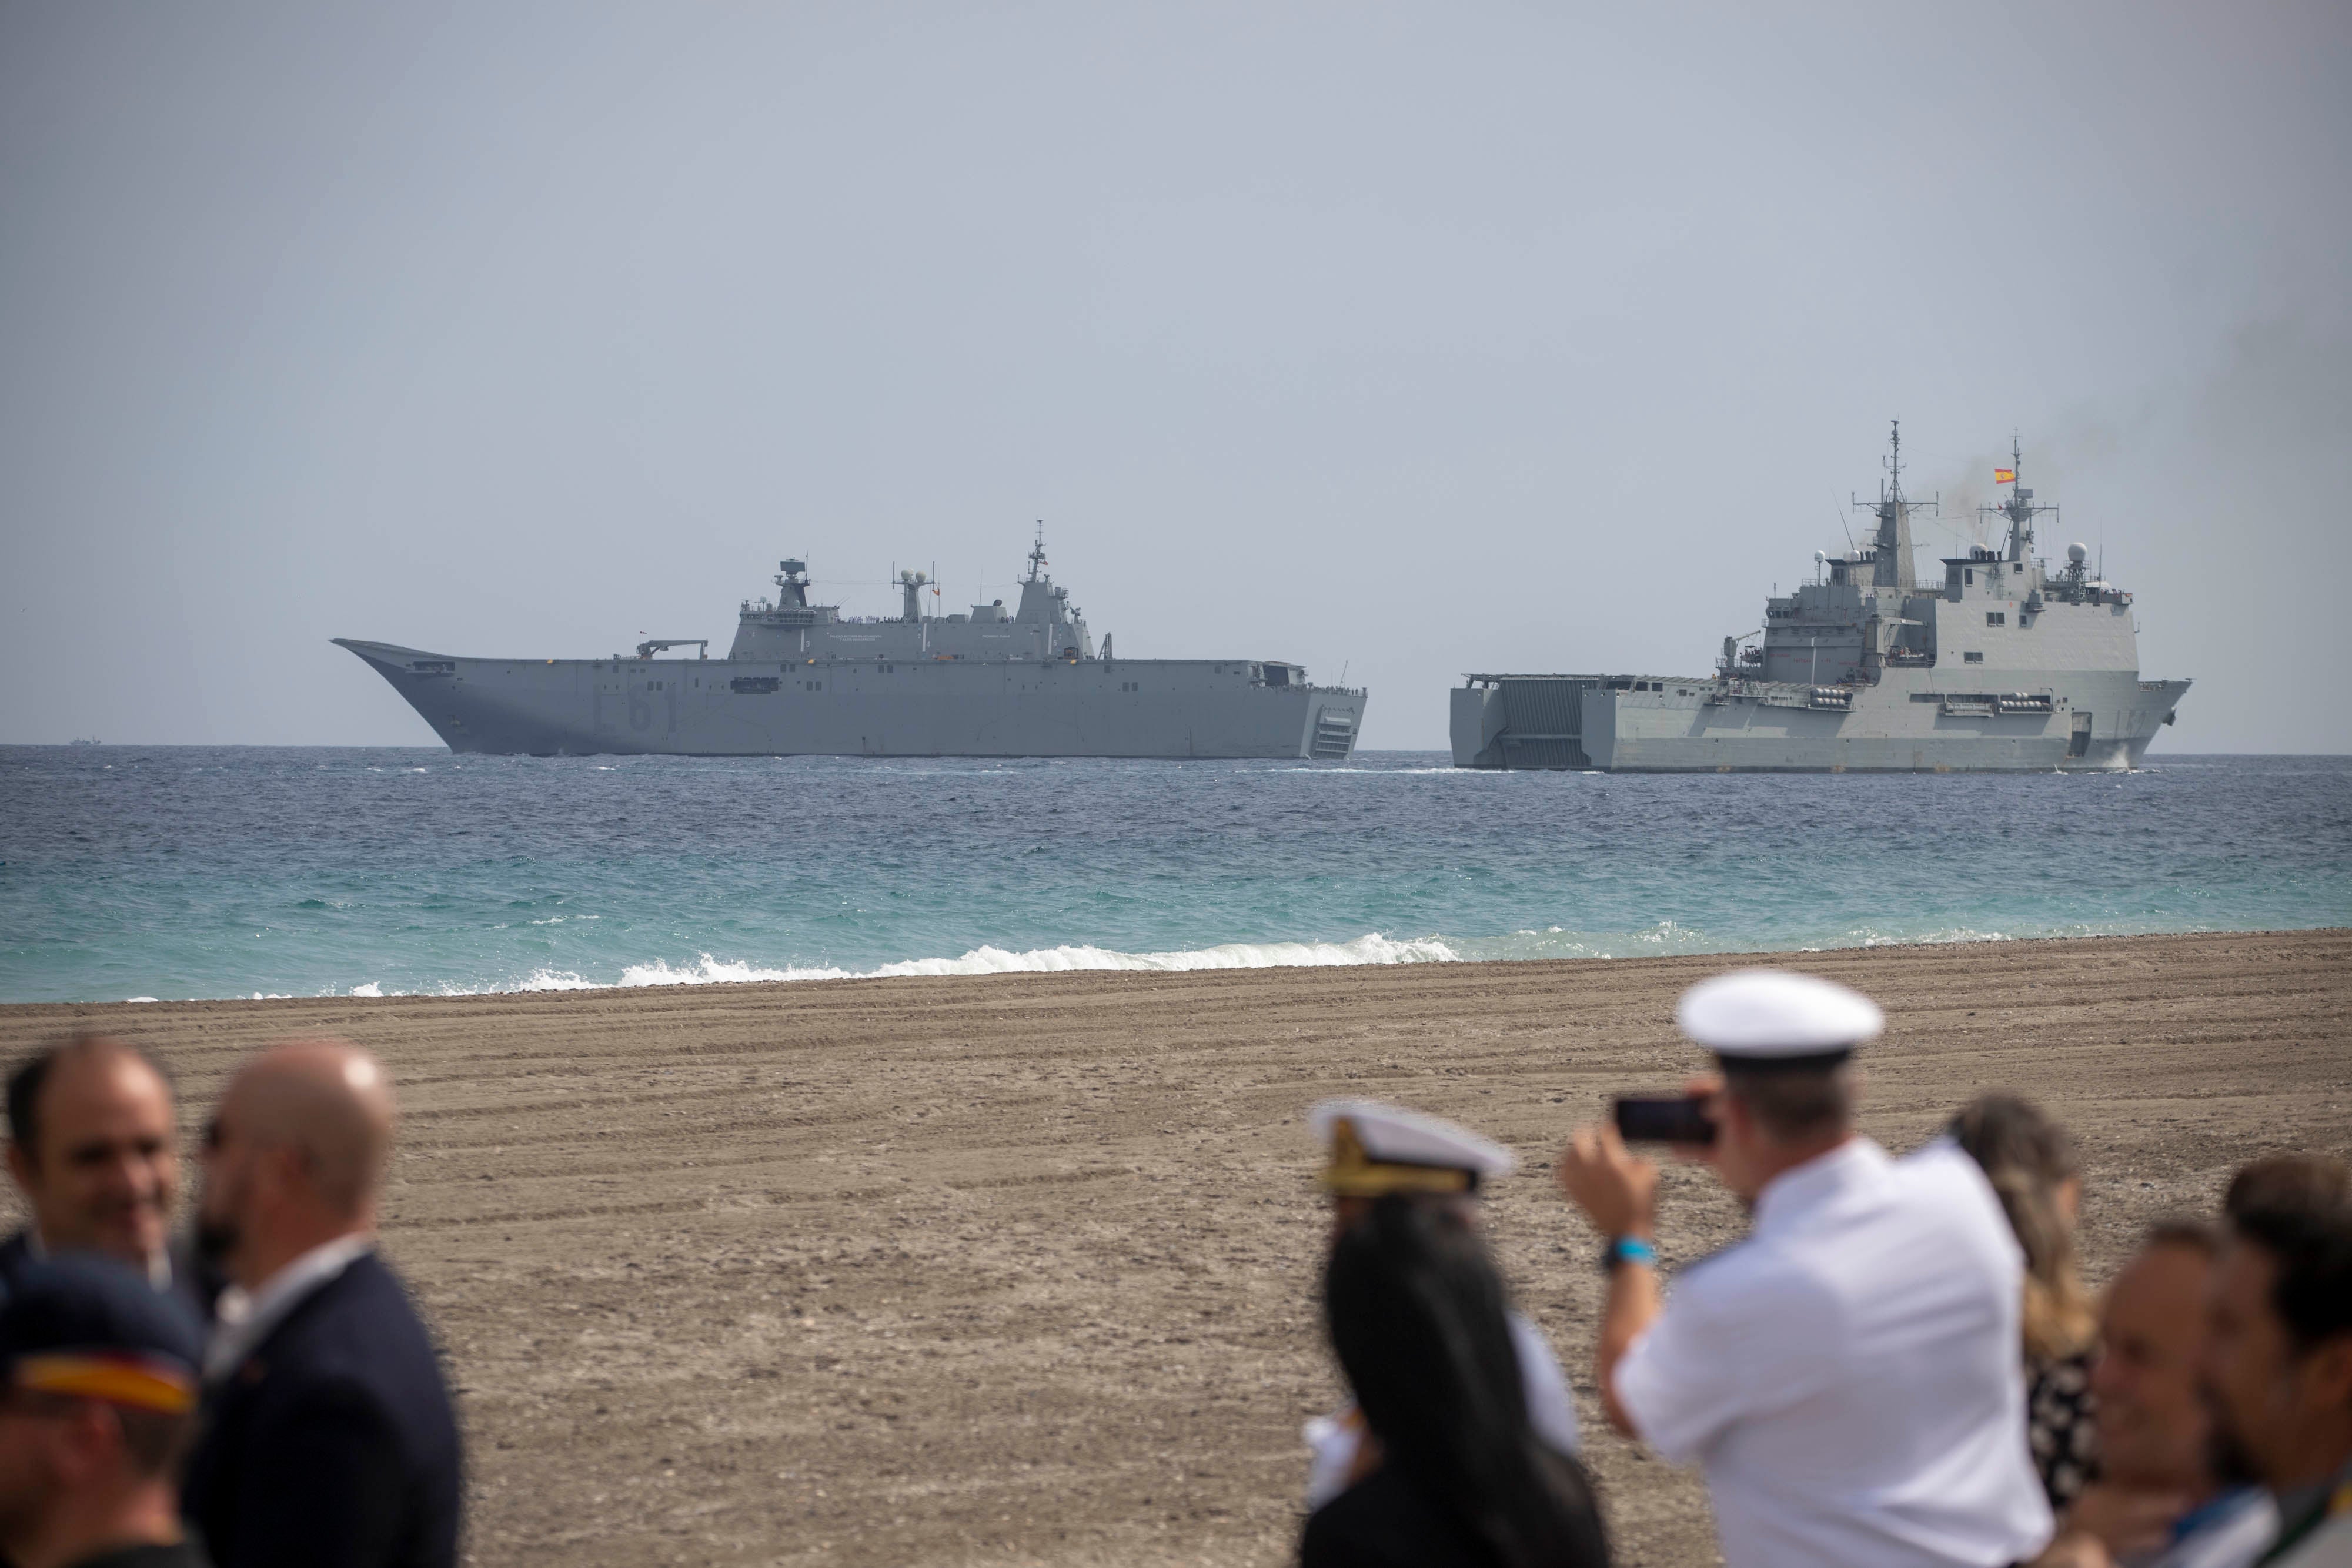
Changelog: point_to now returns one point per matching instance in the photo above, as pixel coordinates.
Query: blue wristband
(1628, 1249)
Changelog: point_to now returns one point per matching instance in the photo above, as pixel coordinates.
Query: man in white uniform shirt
(1848, 1375)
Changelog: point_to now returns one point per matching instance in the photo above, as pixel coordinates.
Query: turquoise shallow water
(181, 873)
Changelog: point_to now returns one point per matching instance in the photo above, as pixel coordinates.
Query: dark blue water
(175, 873)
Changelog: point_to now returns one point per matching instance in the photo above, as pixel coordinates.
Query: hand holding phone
(1664, 1119)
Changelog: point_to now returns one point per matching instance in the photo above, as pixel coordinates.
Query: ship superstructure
(804, 679)
(2005, 665)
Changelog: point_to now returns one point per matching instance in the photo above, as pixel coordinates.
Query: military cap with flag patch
(1770, 1017)
(91, 1328)
(1377, 1149)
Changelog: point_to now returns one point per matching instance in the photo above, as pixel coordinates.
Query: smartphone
(1664, 1119)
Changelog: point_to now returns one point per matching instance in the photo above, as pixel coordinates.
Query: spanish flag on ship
(2004, 475)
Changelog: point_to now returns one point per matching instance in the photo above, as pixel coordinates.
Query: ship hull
(1911, 721)
(731, 707)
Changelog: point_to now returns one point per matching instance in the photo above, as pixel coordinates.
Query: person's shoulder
(2330, 1546)
(358, 1339)
(1383, 1522)
(1752, 1272)
(1942, 1188)
(364, 1305)
(2231, 1531)
(1940, 1170)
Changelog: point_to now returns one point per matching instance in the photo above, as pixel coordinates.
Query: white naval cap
(1377, 1149)
(1764, 1016)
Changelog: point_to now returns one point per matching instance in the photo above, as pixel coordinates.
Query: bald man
(93, 1146)
(327, 1436)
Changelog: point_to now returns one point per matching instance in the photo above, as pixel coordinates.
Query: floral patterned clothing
(2058, 1423)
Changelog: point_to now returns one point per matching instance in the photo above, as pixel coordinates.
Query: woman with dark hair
(1416, 1314)
(2036, 1172)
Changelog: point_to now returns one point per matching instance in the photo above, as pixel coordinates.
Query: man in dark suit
(93, 1146)
(327, 1436)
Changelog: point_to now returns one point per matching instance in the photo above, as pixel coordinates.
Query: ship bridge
(1045, 626)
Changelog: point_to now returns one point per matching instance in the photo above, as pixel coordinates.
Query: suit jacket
(192, 1283)
(16, 1257)
(333, 1444)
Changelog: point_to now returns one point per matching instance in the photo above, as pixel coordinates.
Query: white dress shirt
(245, 1319)
(2229, 1532)
(1849, 1376)
(2330, 1546)
(1334, 1439)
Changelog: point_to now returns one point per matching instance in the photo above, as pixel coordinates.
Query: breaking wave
(1370, 948)
(1373, 948)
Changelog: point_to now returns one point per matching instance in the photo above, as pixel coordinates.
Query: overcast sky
(1405, 340)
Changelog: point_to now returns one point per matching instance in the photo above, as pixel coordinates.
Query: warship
(2005, 665)
(804, 679)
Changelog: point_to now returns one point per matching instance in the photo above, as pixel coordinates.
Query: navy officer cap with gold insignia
(88, 1327)
(1377, 1149)
(1757, 1018)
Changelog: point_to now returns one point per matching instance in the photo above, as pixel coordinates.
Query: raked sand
(1022, 1270)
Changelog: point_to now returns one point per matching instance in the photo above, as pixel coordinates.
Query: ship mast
(1891, 564)
(2019, 508)
(792, 585)
(1037, 553)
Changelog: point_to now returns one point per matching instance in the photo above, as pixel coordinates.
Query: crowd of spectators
(1898, 1364)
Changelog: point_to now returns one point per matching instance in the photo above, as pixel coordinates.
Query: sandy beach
(1022, 1270)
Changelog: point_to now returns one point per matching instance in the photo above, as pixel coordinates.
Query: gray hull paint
(1697, 724)
(730, 708)
(2006, 666)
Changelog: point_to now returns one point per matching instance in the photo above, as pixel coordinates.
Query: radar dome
(1820, 556)
(2077, 553)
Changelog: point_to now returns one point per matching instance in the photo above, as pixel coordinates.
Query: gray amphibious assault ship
(2004, 666)
(802, 678)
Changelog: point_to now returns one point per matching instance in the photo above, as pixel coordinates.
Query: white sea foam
(1370, 948)
(1864, 936)
(373, 988)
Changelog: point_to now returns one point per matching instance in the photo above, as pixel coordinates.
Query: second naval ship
(804, 679)
(2006, 665)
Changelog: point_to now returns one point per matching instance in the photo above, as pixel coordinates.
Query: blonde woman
(2033, 1169)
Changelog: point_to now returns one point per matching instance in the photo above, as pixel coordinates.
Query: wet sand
(1022, 1270)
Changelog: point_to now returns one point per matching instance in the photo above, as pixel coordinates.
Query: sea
(156, 874)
